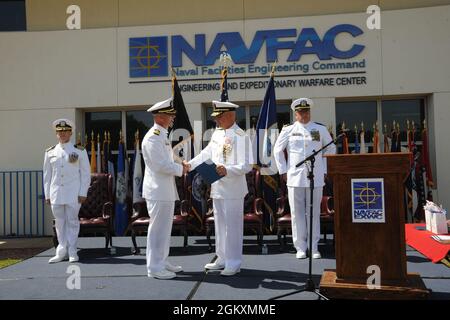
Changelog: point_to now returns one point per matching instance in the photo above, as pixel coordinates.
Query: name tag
(297, 134)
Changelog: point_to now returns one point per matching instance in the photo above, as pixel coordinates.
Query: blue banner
(121, 217)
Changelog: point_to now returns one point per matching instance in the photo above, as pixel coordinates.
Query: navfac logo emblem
(368, 200)
(148, 57)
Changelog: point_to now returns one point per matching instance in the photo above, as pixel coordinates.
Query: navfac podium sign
(368, 191)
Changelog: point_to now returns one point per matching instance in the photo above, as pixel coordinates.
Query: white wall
(25, 134)
(58, 69)
(416, 50)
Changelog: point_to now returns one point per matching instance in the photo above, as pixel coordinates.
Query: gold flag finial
(225, 58)
(272, 73)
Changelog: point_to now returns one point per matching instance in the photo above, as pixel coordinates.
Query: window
(100, 122)
(383, 112)
(402, 111)
(355, 113)
(13, 16)
(137, 120)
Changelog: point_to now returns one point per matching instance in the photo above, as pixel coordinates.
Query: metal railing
(21, 203)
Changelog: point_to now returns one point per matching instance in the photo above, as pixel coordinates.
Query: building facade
(106, 74)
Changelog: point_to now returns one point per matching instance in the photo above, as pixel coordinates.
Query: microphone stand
(309, 284)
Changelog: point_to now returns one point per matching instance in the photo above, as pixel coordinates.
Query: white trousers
(67, 227)
(299, 201)
(229, 229)
(159, 232)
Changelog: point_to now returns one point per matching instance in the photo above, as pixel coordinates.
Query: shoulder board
(78, 147)
(156, 132)
(51, 148)
(320, 124)
(286, 126)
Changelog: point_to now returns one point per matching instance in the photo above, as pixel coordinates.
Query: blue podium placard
(368, 200)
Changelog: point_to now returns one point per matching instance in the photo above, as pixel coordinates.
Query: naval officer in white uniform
(229, 149)
(159, 190)
(300, 139)
(67, 176)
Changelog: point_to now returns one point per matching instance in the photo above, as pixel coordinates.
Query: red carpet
(421, 241)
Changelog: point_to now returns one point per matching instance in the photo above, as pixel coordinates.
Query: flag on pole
(99, 155)
(426, 156)
(224, 85)
(357, 146)
(109, 161)
(362, 139)
(419, 188)
(376, 139)
(93, 156)
(105, 153)
(182, 136)
(386, 140)
(345, 149)
(266, 136)
(181, 132)
(121, 217)
(137, 172)
(393, 138)
(399, 141)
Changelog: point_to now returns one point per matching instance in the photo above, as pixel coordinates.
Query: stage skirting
(420, 239)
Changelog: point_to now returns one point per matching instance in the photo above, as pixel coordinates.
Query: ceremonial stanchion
(309, 284)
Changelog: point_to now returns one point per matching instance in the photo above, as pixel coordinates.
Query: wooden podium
(369, 227)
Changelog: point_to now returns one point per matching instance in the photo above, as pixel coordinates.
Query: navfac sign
(149, 55)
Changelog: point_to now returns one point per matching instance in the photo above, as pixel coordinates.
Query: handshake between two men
(221, 170)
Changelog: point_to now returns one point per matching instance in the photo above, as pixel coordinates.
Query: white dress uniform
(160, 192)
(66, 177)
(300, 140)
(231, 148)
